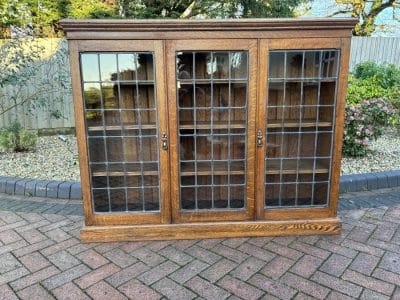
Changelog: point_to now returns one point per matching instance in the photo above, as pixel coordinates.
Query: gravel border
(73, 190)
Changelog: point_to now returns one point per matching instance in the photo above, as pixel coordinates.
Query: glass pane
(96, 150)
(151, 195)
(127, 65)
(185, 95)
(300, 114)
(238, 64)
(110, 96)
(184, 65)
(212, 129)
(94, 118)
(329, 63)
(276, 64)
(311, 64)
(90, 67)
(118, 200)
(135, 199)
(294, 64)
(108, 67)
(122, 127)
(92, 95)
(222, 65)
(145, 67)
(101, 200)
(238, 94)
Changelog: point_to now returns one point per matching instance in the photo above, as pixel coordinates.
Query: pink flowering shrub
(365, 122)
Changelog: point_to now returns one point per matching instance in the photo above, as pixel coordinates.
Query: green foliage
(365, 122)
(14, 12)
(16, 138)
(42, 18)
(371, 80)
(33, 16)
(92, 9)
(387, 76)
(367, 12)
(16, 57)
(206, 8)
(361, 89)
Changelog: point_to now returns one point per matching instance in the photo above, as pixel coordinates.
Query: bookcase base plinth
(210, 230)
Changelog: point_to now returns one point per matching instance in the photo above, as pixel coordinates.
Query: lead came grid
(121, 119)
(300, 121)
(212, 104)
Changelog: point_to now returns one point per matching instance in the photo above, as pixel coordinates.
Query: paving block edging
(72, 189)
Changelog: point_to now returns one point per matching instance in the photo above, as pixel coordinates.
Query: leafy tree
(206, 8)
(40, 17)
(92, 9)
(366, 11)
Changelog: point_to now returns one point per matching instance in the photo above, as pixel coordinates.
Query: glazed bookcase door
(212, 105)
(297, 116)
(123, 118)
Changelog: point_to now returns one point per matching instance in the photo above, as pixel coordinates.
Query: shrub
(371, 80)
(365, 122)
(17, 139)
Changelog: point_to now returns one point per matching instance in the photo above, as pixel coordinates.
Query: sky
(388, 17)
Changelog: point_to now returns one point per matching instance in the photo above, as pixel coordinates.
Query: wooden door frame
(173, 46)
(301, 44)
(157, 47)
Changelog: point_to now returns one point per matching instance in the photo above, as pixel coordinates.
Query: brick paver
(41, 257)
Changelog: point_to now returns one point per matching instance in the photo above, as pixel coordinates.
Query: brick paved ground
(41, 258)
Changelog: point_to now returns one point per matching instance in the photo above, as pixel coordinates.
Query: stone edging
(72, 189)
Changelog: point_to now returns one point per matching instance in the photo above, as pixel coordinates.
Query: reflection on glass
(90, 67)
(127, 66)
(121, 118)
(294, 63)
(311, 64)
(110, 96)
(145, 67)
(213, 125)
(329, 63)
(276, 64)
(184, 65)
(300, 112)
(108, 67)
(238, 62)
(91, 93)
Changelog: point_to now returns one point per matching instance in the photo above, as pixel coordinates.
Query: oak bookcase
(209, 128)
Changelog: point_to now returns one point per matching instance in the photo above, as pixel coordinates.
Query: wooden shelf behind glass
(290, 167)
(236, 168)
(125, 127)
(136, 173)
(209, 81)
(296, 123)
(216, 125)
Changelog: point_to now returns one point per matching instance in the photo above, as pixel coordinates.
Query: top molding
(73, 27)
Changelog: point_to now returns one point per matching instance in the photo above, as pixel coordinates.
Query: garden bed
(55, 159)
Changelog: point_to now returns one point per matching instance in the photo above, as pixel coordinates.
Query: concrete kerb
(72, 189)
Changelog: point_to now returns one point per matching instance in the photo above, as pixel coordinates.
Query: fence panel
(377, 49)
(54, 61)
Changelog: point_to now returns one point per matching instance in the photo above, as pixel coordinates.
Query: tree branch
(339, 12)
(188, 11)
(27, 99)
(374, 12)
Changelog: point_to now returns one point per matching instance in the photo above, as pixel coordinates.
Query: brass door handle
(164, 141)
(259, 138)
